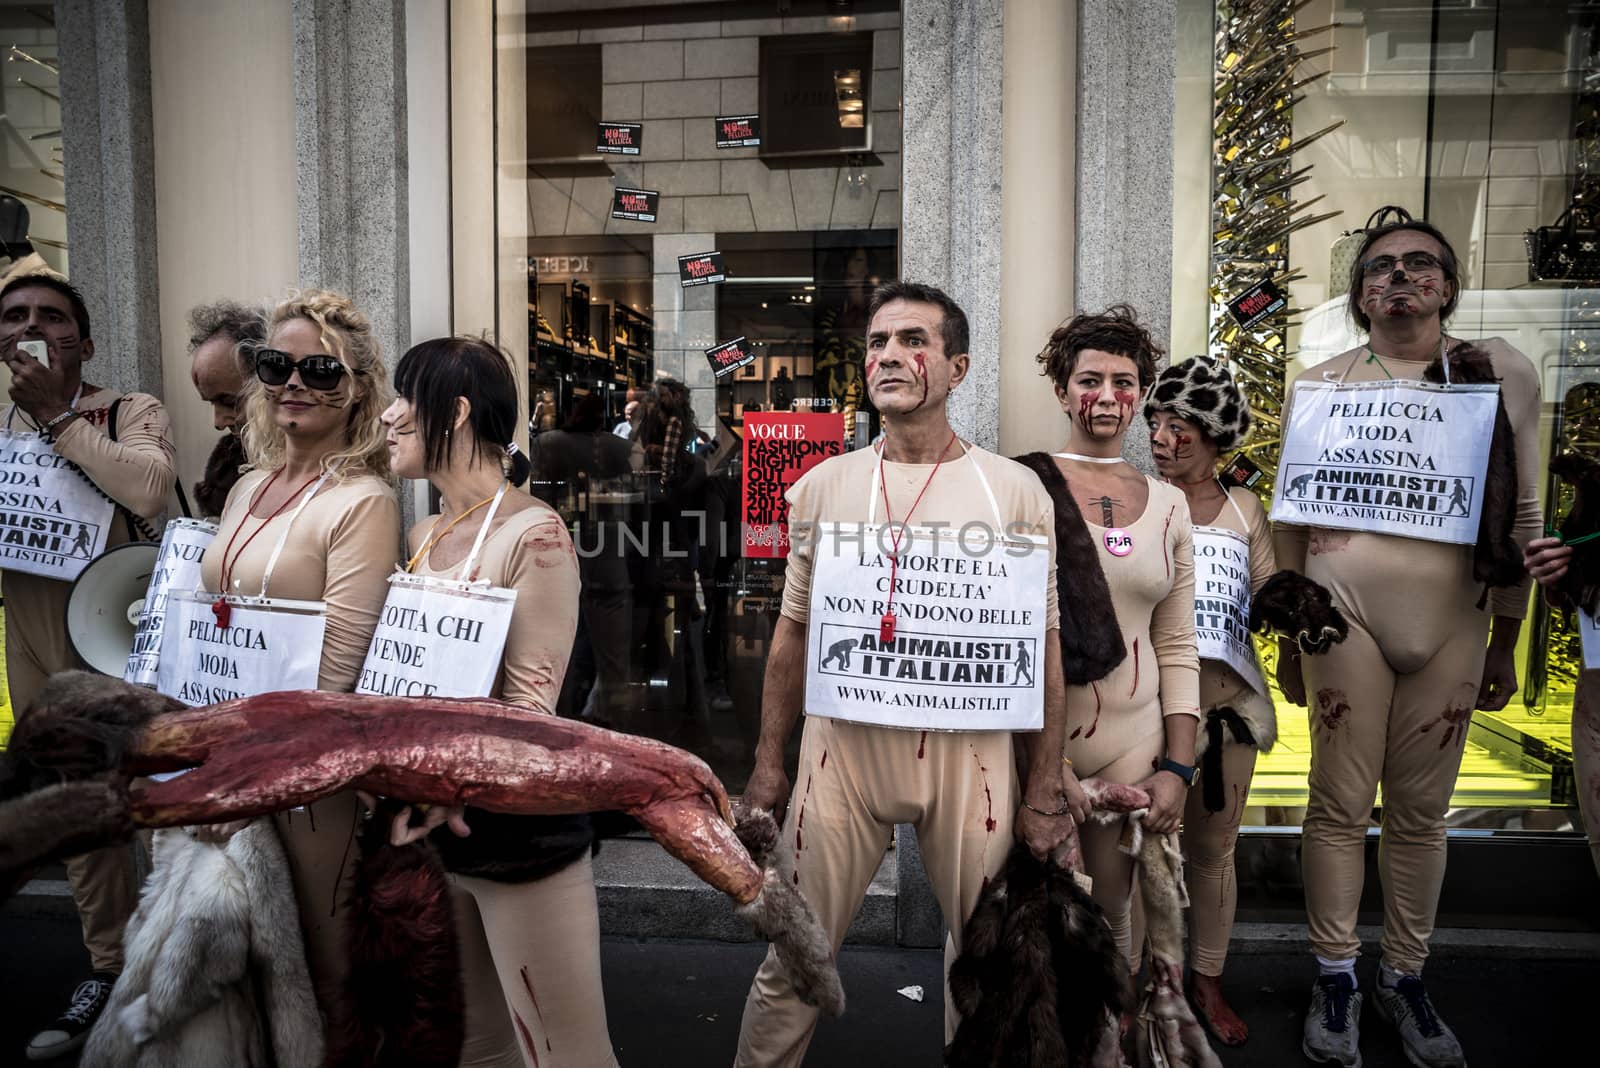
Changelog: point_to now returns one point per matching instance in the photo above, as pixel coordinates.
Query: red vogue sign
(779, 447)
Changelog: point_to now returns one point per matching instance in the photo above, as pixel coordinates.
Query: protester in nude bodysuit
(1196, 412)
(1136, 725)
(1392, 703)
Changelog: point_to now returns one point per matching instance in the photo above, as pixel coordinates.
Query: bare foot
(1205, 993)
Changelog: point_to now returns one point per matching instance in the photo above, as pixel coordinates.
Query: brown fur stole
(1091, 642)
(403, 1000)
(1039, 973)
(1496, 559)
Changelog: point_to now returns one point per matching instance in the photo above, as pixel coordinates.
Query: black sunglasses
(1415, 263)
(274, 368)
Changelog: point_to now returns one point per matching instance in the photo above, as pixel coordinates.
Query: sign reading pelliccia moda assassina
(1397, 457)
(53, 520)
(779, 447)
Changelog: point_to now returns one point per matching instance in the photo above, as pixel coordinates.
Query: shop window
(33, 194)
(1481, 117)
(636, 438)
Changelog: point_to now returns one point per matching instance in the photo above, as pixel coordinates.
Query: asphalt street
(676, 1004)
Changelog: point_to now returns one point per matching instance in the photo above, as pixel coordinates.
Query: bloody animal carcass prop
(88, 735)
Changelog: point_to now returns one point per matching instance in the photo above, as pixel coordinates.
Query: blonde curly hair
(347, 334)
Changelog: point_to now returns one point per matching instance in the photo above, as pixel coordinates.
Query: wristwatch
(1186, 772)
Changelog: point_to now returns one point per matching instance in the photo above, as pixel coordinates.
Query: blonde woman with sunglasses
(314, 519)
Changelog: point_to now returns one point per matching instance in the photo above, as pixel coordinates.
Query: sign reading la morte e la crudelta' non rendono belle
(965, 652)
(1394, 457)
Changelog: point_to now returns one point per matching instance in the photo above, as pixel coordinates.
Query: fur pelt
(780, 915)
(62, 790)
(215, 970)
(1090, 649)
(1248, 719)
(59, 821)
(403, 999)
(1202, 391)
(223, 468)
(1581, 584)
(1496, 558)
(1039, 981)
(1167, 1033)
(1299, 608)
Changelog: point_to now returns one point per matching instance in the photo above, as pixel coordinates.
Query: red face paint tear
(1182, 446)
(922, 375)
(1086, 404)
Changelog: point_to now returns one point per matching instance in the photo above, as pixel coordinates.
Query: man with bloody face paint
(1391, 704)
(955, 779)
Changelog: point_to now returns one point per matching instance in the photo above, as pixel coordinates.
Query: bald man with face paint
(856, 779)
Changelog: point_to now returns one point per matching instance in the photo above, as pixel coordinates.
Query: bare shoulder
(1510, 363)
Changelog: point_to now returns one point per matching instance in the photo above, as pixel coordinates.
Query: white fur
(215, 936)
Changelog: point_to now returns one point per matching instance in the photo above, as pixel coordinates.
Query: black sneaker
(72, 1027)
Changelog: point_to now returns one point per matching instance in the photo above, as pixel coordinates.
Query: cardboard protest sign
(1222, 602)
(1398, 457)
(53, 520)
(183, 546)
(437, 639)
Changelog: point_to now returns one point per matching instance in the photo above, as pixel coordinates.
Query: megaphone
(104, 605)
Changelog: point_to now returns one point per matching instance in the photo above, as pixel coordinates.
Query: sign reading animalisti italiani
(52, 519)
(1397, 457)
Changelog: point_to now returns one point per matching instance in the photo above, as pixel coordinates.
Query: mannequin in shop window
(782, 391)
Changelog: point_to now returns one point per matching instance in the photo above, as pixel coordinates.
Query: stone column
(1127, 74)
(109, 158)
(350, 136)
(950, 222)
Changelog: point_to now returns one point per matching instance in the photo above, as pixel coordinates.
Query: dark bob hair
(953, 332)
(433, 374)
(1115, 330)
(80, 310)
(1452, 267)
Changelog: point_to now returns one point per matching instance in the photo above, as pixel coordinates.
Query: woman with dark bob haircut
(523, 886)
(1136, 724)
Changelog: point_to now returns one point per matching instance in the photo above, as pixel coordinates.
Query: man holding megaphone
(77, 462)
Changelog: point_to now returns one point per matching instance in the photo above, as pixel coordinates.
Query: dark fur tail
(1496, 558)
(1039, 974)
(403, 999)
(1296, 607)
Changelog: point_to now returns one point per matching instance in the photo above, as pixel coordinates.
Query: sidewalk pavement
(676, 1004)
